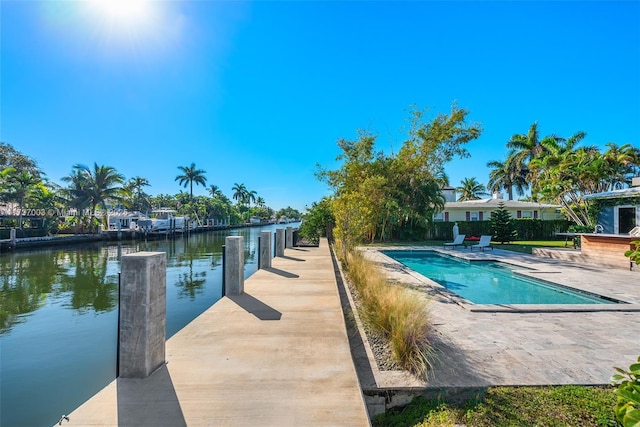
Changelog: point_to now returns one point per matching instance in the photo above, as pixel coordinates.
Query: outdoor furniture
(456, 242)
(573, 236)
(485, 242)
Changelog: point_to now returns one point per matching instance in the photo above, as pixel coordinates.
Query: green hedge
(526, 228)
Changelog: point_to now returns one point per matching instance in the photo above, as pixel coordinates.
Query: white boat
(164, 221)
(125, 221)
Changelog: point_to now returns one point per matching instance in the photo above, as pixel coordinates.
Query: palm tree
(260, 202)
(623, 162)
(20, 185)
(190, 175)
(140, 200)
(250, 196)
(507, 175)
(470, 189)
(239, 192)
(136, 183)
(528, 147)
(94, 187)
(214, 190)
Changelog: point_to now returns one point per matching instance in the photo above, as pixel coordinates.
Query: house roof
(493, 204)
(614, 194)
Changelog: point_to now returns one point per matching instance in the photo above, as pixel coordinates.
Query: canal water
(59, 313)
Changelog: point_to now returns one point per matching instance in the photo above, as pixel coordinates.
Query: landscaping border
(383, 390)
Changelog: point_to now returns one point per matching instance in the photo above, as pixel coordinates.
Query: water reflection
(87, 280)
(191, 283)
(25, 282)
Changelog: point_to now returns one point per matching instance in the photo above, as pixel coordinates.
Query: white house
(482, 209)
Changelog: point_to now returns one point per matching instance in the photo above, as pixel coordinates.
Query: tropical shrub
(628, 406)
(634, 254)
(580, 228)
(317, 221)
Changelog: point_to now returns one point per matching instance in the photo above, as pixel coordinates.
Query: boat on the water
(125, 221)
(165, 221)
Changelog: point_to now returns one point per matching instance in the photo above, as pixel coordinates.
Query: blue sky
(259, 92)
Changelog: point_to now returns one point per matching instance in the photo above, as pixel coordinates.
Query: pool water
(488, 282)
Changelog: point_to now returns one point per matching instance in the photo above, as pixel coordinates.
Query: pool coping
(527, 271)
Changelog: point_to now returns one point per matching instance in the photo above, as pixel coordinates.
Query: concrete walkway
(276, 356)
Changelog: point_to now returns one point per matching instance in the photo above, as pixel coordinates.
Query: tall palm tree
(507, 175)
(526, 148)
(239, 192)
(470, 189)
(190, 175)
(250, 196)
(260, 202)
(94, 187)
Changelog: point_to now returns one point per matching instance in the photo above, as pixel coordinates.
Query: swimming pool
(489, 282)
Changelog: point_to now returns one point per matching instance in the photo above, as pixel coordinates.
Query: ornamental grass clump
(397, 313)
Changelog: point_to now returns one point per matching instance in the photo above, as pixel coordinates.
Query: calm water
(58, 316)
(486, 282)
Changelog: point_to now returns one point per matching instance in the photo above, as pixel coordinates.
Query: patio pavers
(478, 349)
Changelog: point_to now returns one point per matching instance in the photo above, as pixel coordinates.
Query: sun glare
(125, 11)
(124, 15)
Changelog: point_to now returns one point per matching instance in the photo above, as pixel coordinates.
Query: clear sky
(259, 92)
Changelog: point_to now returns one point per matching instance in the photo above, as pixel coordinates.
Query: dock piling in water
(234, 265)
(289, 238)
(143, 314)
(280, 242)
(265, 249)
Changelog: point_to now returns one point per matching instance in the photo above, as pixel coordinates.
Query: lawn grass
(512, 406)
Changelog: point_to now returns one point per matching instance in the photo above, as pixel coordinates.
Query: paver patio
(510, 347)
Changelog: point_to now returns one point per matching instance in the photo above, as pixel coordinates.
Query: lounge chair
(456, 242)
(635, 232)
(485, 242)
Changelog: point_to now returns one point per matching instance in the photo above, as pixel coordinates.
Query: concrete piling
(234, 265)
(142, 313)
(280, 242)
(265, 249)
(289, 239)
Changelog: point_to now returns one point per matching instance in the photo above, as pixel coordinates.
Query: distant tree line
(88, 189)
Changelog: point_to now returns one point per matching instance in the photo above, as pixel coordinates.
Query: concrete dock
(278, 355)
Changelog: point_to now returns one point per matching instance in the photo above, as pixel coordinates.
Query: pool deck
(278, 355)
(486, 345)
